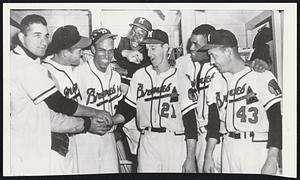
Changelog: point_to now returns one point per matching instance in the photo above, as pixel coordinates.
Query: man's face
(197, 42)
(74, 56)
(36, 39)
(136, 36)
(104, 52)
(220, 59)
(156, 53)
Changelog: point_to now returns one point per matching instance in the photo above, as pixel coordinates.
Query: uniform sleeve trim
(188, 108)
(130, 102)
(272, 101)
(45, 94)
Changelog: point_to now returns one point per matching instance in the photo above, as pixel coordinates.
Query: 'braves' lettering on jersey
(160, 99)
(101, 90)
(200, 75)
(63, 78)
(244, 97)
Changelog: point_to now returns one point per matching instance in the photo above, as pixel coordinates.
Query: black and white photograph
(115, 88)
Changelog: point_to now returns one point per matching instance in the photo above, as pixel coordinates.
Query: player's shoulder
(263, 75)
(186, 57)
(143, 70)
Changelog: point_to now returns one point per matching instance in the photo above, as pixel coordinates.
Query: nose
(44, 41)
(192, 48)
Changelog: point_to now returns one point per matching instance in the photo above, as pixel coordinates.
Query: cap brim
(210, 46)
(139, 25)
(83, 43)
(152, 41)
(105, 36)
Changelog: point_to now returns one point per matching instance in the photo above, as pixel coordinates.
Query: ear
(93, 49)
(65, 52)
(166, 47)
(21, 37)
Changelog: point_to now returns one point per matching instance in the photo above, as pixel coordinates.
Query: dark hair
(31, 19)
(203, 29)
(262, 52)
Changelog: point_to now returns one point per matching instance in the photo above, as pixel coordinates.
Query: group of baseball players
(208, 111)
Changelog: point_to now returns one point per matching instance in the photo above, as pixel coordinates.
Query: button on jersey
(243, 99)
(160, 99)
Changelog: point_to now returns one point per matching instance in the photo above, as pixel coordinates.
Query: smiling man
(244, 106)
(101, 89)
(158, 96)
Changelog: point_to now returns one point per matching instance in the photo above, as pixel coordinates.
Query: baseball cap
(156, 36)
(220, 38)
(99, 35)
(68, 37)
(142, 23)
(203, 29)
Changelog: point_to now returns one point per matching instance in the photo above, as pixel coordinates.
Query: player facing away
(158, 96)
(100, 89)
(244, 106)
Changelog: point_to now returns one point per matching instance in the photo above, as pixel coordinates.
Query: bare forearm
(210, 147)
(191, 149)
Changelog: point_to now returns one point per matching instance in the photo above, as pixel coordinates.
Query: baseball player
(196, 65)
(244, 106)
(100, 89)
(200, 72)
(66, 47)
(158, 94)
(32, 94)
(131, 55)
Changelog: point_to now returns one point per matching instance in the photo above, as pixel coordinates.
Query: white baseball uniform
(66, 83)
(244, 97)
(160, 101)
(200, 76)
(95, 153)
(30, 118)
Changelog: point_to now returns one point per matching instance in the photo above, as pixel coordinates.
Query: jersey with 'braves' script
(200, 75)
(243, 99)
(101, 90)
(64, 79)
(160, 99)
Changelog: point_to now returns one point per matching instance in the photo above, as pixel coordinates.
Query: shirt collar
(28, 53)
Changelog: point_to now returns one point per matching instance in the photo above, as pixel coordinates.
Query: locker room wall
(57, 18)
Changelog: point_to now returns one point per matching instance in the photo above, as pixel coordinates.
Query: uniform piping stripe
(99, 81)
(226, 103)
(59, 71)
(278, 97)
(204, 92)
(53, 87)
(151, 96)
(160, 92)
(233, 114)
(130, 102)
(194, 104)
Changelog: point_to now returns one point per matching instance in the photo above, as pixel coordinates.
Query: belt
(255, 137)
(240, 135)
(161, 130)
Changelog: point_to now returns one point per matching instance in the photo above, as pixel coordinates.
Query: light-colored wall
(57, 18)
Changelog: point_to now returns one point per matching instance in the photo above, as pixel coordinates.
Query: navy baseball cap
(142, 23)
(220, 38)
(156, 36)
(68, 37)
(99, 35)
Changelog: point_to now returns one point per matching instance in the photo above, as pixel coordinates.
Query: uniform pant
(200, 152)
(161, 152)
(243, 155)
(96, 154)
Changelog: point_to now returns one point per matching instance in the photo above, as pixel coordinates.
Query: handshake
(99, 124)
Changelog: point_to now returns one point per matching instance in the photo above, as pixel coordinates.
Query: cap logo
(150, 34)
(208, 38)
(141, 20)
(103, 31)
